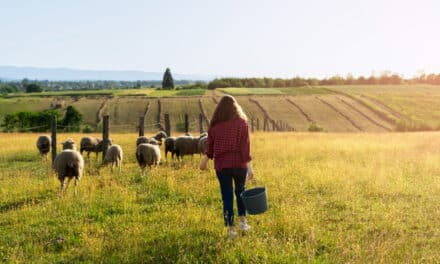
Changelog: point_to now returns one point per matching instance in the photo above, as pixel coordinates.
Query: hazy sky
(277, 38)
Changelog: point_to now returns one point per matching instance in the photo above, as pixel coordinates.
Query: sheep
(186, 145)
(202, 144)
(91, 144)
(69, 144)
(160, 135)
(68, 164)
(169, 146)
(147, 140)
(114, 156)
(43, 145)
(156, 140)
(147, 155)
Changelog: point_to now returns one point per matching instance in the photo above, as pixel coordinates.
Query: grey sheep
(147, 155)
(69, 144)
(155, 140)
(114, 156)
(43, 145)
(160, 135)
(68, 164)
(92, 144)
(202, 144)
(186, 145)
(147, 140)
(169, 146)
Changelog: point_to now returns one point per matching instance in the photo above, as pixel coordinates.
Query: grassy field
(333, 198)
(418, 104)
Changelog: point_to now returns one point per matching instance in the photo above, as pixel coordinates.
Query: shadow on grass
(15, 205)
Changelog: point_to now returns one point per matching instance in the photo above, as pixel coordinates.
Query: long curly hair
(227, 109)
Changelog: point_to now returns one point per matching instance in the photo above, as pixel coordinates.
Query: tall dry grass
(332, 198)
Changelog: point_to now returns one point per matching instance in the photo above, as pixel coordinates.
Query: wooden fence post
(53, 125)
(258, 124)
(186, 123)
(105, 135)
(252, 125)
(141, 126)
(167, 124)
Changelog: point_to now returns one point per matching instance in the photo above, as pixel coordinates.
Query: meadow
(333, 198)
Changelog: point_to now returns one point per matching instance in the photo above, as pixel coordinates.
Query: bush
(409, 125)
(88, 129)
(313, 127)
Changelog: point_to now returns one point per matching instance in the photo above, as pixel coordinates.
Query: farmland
(333, 198)
(365, 108)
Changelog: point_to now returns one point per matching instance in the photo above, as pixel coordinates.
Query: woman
(228, 144)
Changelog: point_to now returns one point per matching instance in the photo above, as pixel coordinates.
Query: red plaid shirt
(228, 144)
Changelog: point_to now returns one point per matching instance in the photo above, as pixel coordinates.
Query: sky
(224, 38)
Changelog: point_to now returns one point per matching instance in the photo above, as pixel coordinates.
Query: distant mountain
(66, 74)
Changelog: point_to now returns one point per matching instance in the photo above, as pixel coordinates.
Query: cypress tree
(167, 82)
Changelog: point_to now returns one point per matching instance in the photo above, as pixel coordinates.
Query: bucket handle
(256, 182)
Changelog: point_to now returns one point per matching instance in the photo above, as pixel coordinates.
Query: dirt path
(202, 110)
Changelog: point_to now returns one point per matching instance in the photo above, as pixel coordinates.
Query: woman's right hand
(250, 173)
(204, 163)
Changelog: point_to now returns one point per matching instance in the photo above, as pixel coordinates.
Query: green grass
(249, 91)
(330, 201)
(275, 91)
(183, 92)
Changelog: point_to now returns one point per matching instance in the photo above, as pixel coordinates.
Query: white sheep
(147, 155)
(43, 145)
(68, 164)
(114, 156)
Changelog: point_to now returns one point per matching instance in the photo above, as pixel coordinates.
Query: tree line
(386, 78)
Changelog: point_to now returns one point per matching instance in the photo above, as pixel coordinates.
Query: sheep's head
(69, 144)
(160, 135)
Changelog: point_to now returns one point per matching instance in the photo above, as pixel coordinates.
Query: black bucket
(255, 200)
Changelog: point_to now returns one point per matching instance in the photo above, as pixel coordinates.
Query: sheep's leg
(76, 184)
(111, 167)
(60, 193)
(68, 182)
(118, 165)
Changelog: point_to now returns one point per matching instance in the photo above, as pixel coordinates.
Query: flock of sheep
(69, 163)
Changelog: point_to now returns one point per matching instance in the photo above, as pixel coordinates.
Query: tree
(72, 119)
(167, 82)
(33, 88)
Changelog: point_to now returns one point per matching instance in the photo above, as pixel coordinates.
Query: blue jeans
(225, 177)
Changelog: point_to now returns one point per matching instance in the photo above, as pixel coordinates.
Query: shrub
(313, 127)
(88, 129)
